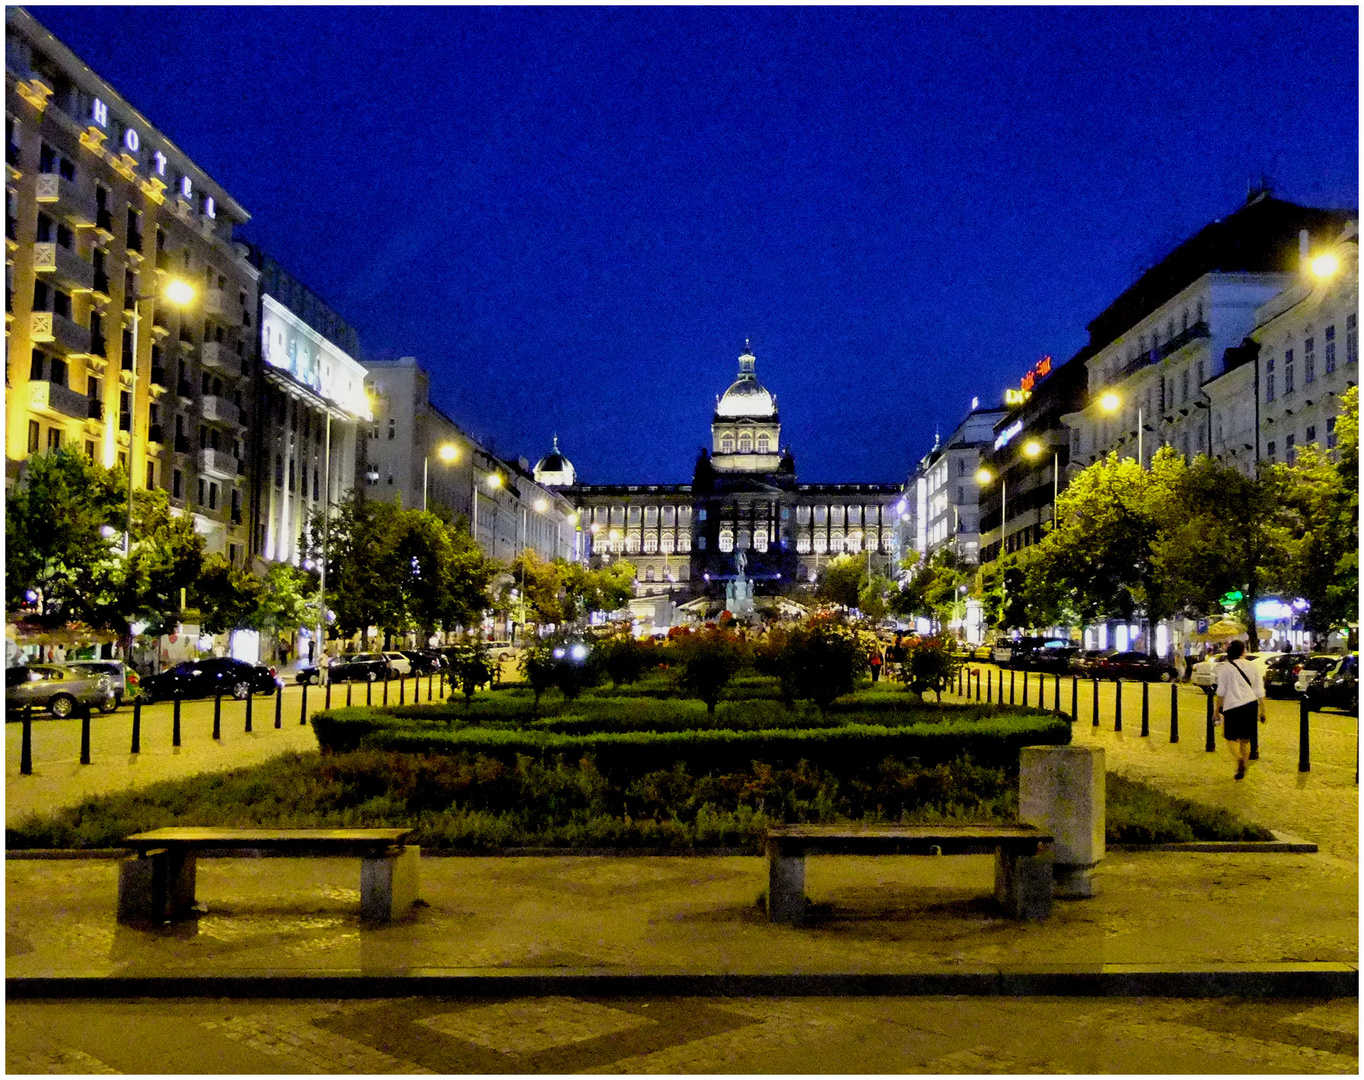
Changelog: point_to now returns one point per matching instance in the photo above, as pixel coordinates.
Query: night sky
(575, 216)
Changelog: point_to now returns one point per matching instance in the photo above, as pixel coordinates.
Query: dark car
(1281, 674)
(360, 667)
(1338, 688)
(1135, 665)
(1051, 659)
(1085, 663)
(208, 678)
(424, 661)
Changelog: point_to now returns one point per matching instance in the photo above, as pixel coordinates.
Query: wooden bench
(158, 882)
(1023, 858)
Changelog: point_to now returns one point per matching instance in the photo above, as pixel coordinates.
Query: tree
(625, 658)
(585, 590)
(541, 586)
(228, 597)
(841, 580)
(167, 557)
(930, 665)
(820, 661)
(706, 662)
(872, 599)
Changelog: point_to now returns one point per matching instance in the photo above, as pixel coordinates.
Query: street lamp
(448, 453)
(1325, 266)
(1032, 448)
(178, 293)
(983, 477)
(1110, 403)
(494, 481)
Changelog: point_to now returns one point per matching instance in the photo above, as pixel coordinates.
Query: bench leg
(155, 886)
(1023, 884)
(785, 886)
(388, 884)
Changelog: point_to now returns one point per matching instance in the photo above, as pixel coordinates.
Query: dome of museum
(554, 469)
(746, 397)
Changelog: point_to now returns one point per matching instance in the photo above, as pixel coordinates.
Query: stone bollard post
(1174, 712)
(1304, 737)
(85, 734)
(1061, 790)
(279, 705)
(303, 708)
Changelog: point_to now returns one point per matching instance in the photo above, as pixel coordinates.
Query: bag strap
(1241, 673)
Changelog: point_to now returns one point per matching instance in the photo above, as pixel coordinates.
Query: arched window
(650, 542)
(745, 443)
(668, 542)
(760, 540)
(632, 542)
(726, 540)
(803, 544)
(763, 444)
(726, 444)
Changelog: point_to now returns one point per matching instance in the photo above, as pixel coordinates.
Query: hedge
(990, 741)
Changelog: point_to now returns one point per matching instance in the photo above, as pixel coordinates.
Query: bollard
(327, 694)
(303, 708)
(1117, 704)
(26, 747)
(1255, 740)
(989, 686)
(1025, 689)
(1212, 734)
(369, 690)
(175, 722)
(218, 715)
(349, 685)
(386, 675)
(402, 689)
(1174, 712)
(429, 676)
(85, 735)
(977, 685)
(1056, 697)
(1304, 750)
(1074, 698)
(1096, 702)
(1145, 708)
(1011, 684)
(137, 727)
(416, 688)
(279, 705)
(249, 698)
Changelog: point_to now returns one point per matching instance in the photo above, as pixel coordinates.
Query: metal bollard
(1304, 750)
(1145, 708)
(303, 708)
(349, 685)
(386, 675)
(1025, 689)
(26, 747)
(416, 688)
(429, 676)
(402, 689)
(1074, 698)
(1174, 712)
(977, 685)
(1212, 734)
(1117, 704)
(279, 705)
(218, 715)
(249, 698)
(1255, 740)
(1011, 684)
(327, 694)
(137, 727)
(369, 691)
(1096, 702)
(85, 735)
(175, 722)
(1056, 697)
(989, 686)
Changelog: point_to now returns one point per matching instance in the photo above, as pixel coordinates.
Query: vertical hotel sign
(290, 345)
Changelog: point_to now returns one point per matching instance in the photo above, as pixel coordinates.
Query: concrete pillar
(785, 885)
(389, 883)
(1061, 790)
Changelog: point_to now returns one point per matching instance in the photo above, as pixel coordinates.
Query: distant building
(743, 512)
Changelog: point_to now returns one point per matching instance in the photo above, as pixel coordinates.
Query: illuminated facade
(102, 212)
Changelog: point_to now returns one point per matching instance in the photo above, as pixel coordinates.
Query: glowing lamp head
(448, 452)
(578, 652)
(1325, 266)
(1032, 448)
(572, 519)
(1110, 402)
(178, 292)
(541, 505)
(494, 481)
(984, 475)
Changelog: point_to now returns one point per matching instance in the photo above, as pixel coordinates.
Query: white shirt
(1234, 690)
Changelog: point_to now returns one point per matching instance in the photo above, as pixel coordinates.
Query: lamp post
(448, 453)
(1032, 448)
(983, 477)
(176, 292)
(1111, 403)
(494, 481)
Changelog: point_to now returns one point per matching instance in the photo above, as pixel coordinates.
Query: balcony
(135, 245)
(50, 397)
(214, 354)
(104, 225)
(68, 336)
(1193, 333)
(67, 200)
(215, 302)
(65, 265)
(218, 409)
(217, 463)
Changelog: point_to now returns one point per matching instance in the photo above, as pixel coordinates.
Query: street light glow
(541, 505)
(1110, 402)
(1324, 266)
(494, 480)
(1032, 448)
(984, 475)
(448, 452)
(178, 292)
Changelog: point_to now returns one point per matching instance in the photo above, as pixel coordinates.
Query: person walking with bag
(1237, 702)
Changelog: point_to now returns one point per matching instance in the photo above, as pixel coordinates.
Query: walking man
(1237, 702)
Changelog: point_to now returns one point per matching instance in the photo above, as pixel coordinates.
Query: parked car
(1312, 669)
(361, 667)
(1338, 688)
(57, 688)
(1053, 658)
(208, 678)
(398, 663)
(124, 678)
(982, 651)
(424, 661)
(1135, 665)
(1281, 673)
(1205, 671)
(1002, 651)
(1085, 662)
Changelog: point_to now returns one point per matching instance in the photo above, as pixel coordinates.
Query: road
(685, 1035)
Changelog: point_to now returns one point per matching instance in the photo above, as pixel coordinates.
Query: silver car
(57, 688)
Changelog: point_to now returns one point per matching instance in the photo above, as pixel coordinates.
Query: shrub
(625, 658)
(930, 664)
(819, 661)
(707, 661)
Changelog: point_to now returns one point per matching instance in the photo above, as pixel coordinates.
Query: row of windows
(1309, 359)
(820, 544)
(746, 443)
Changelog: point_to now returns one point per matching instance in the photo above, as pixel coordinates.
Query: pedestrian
(312, 649)
(1237, 702)
(876, 661)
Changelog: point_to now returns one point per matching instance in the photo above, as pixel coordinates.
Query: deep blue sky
(575, 216)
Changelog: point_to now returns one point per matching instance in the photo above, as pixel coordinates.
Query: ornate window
(760, 540)
(802, 515)
(745, 443)
(650, 542)
(632, 542)
(821, 545)
(726, 540)
(763, 444)
(803, 544)
(726, 443)
(684, 542)
(669, 542)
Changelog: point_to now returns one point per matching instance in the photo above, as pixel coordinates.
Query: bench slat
(905, 840)
(280, 840)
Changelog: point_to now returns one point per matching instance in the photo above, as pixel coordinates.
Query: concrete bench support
(785, 886)
(1023, 884)
(388, 884)
(155, 886)
(1061, 791)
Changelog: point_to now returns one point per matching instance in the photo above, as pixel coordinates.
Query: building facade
(103, 213)
(743, 514)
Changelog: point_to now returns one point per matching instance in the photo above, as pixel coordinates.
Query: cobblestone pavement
(1321, 805)
(685, 1035)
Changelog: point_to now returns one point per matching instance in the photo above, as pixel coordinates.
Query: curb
(1282, 843)
(1313, 980)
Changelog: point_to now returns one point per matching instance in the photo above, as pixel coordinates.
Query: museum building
(744, 510)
